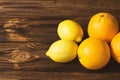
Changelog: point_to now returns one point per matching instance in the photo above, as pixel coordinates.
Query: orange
(115, 47)
(103, 26)
(94, 53)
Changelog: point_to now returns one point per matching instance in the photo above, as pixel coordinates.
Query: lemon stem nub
(78, 39)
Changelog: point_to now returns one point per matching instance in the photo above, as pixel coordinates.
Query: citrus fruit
(70, 30)
(103, 26)
(62, 51)
(115, 47)
(93, 53)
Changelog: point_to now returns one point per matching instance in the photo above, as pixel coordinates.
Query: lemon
(70, 30)
(94, 53)
(62, 51)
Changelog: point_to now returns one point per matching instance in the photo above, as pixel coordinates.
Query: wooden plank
(33, 9)
(35, 34)
(60, 76)
(12, 45)
(51, 70)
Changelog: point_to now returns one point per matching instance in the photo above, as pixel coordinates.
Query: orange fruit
(103, 26)
(115, 47)
(94, 53)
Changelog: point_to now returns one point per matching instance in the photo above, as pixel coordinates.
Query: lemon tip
(47, 53)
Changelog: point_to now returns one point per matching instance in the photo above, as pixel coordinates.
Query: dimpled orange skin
(115, 47)
(94, 53)
(103, 26)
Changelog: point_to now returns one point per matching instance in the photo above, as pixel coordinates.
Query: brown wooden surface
(43, 16)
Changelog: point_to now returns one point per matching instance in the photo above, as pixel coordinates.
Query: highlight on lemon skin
(62, 51)
(93, 53)
(70, 30)
(103, 26)
(115, 47)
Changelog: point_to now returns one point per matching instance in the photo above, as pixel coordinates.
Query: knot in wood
(13, 25)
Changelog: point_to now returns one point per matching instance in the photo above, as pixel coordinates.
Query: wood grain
(43, 17)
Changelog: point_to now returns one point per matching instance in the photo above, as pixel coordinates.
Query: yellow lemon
(70, 30)
(62, 51)
(103, 26)
(93, 53)
(115, 47)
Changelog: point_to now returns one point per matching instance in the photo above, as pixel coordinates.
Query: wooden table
(43, 17)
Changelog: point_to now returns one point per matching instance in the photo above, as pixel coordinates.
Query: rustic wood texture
(43, 17)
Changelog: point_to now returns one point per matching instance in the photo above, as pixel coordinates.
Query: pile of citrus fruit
(93, 52)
